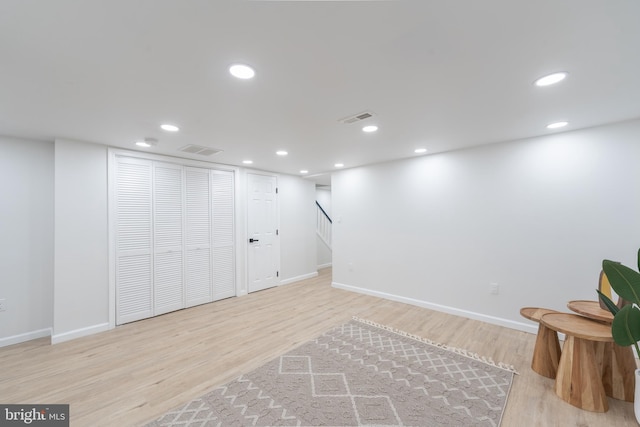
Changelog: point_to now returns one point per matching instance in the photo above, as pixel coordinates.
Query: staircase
(323, 225)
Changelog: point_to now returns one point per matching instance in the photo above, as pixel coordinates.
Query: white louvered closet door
(133, 239)
(199, 289)
(223, 235)
(168, 238)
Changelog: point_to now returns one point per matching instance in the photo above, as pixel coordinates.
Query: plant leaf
(623, 280)
(613, 308)
(626, 326)
(638, 259)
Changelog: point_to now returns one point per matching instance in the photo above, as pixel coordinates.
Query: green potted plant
(625, 327)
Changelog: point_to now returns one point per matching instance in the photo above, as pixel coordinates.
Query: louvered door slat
(168, 290)
(198, 208)
(133, 239)
(168, 206)
(168, 238)
(199, 277)
(222, 187)
(198, 287)
(224, 272)
(134, 281)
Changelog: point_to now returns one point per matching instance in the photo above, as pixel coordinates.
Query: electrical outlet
(494, 289)
(3, 304)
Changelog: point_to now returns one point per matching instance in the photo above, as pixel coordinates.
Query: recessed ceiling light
(281, 153)
(557, 125)
(420, 150)
(303, 171)
(170, 128)
(339, 165)
(551, 79)
(147, 142)
(370, 128)
(242, 71)
(247, 162)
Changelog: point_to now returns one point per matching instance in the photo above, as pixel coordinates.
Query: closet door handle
(253, 240)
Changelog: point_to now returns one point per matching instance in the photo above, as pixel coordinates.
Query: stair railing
(323, 225)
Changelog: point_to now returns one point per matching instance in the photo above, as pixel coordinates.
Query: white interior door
(168, 235)
(264, 254)
(133, 239)
(224, 283)
(198, 288)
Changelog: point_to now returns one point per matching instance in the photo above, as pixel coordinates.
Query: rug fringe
(460, 351)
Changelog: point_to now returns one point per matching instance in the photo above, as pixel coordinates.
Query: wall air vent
(198, 149)
(356, 117)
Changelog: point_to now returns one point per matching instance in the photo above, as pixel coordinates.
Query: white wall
(535, 216)
(296, 198)
(26, 232)
(81, 285)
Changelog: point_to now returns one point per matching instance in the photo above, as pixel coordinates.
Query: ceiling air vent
(198, 149)
(356, 117)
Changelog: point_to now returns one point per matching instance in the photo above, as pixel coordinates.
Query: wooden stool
(614, 361)
(580, 373)
(617, 365)
(546, 353)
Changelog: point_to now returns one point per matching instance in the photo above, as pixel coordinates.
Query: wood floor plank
(136, 372)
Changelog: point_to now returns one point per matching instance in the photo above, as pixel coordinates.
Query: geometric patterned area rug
(358, 374)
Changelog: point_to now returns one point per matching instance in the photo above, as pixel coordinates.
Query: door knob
(253, 240)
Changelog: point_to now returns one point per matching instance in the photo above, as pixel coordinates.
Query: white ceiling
(438, 74)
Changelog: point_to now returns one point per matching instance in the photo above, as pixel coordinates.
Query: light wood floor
(136, 372)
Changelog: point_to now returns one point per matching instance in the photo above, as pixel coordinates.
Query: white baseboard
(27, 336)
(79, 333)
(525, 327)
(298, 278)
(321, 266)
